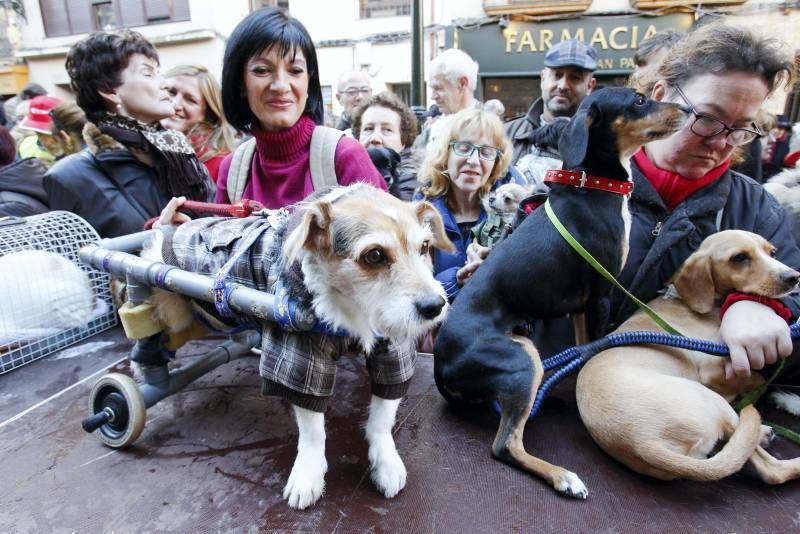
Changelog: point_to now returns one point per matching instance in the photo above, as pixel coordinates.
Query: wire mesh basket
(28, 331)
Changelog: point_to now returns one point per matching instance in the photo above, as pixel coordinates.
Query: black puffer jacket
(660, 242)
(732, 202)
(21, 190)
(106, 185)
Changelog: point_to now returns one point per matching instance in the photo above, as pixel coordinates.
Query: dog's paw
(788, 402)
(571, 486)
(306, 482)
(388, 470)
(767, 436)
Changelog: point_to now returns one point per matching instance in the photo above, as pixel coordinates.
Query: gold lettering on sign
(617, 38)
(578, 35)
(605, 63)
(545, 39)
(612, 38)
(650, 31)
(511, 38)
(526, 40)
(626, 63)
(599, 37)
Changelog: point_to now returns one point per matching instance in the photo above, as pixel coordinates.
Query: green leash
(602, 270)
(752, 398)
(784, 432)
(754, 395)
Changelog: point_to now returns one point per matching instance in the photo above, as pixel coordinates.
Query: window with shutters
(280, 4)
(372, 9)
(68, 17)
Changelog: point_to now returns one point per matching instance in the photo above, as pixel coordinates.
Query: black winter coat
(113, 191)
(21, 190)
(660, 242)
(106, 185)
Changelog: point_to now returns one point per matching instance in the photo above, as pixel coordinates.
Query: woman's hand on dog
(170, 213)
(755, 335)
(475, 256)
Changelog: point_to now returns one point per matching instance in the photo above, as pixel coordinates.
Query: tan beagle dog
(662, 410)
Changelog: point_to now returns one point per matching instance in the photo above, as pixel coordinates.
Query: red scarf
(672, 187)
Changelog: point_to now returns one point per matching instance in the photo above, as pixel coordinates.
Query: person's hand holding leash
(755, 335)
(170, 213)
(475, 256)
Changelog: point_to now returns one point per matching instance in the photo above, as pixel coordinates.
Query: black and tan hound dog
(534, 273)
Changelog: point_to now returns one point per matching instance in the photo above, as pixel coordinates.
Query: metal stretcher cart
(117, 404)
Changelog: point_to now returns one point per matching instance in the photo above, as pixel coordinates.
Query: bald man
(353, 89)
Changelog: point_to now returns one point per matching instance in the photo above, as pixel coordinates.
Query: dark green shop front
(511, 57)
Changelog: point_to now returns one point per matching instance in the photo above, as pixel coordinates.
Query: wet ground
(216, 456)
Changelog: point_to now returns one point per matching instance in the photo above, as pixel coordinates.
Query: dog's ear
(574, 140)
(695, 284)
(313, 233)
(428, 216)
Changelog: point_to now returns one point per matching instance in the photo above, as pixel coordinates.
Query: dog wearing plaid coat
(359, 258)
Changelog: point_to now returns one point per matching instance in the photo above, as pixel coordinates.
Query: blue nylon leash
(570, 360)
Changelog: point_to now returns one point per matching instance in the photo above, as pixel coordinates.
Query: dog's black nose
(430, 306)
(790, 278)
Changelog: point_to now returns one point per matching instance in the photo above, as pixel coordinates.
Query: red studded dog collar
(581, 179)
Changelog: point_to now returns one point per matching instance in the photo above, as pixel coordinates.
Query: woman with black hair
(271, 90)
(132, 166)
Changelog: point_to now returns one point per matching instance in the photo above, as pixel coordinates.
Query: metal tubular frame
(115, 257)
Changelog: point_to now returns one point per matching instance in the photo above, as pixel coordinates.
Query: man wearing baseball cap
(568, 76)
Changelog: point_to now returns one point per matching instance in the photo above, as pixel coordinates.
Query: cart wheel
(118, 396)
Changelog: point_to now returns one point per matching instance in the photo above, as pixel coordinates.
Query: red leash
(241, 209)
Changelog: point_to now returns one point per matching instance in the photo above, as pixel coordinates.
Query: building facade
(508, 38)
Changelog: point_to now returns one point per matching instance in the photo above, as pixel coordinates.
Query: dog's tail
(730, 459)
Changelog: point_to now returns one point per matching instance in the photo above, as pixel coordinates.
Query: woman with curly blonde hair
(198, 115)
(463, 165)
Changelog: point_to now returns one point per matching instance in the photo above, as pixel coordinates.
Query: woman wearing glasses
(460, 168)
(684, 189)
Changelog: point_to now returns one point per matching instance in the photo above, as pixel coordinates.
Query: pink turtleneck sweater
(280, 173)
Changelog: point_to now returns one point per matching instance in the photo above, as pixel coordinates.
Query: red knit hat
(38, 118)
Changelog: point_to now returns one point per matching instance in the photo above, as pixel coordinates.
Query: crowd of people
(136, 138)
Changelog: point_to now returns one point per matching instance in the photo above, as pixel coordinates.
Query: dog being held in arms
(662, 410)
(534, 273)
(360, 259)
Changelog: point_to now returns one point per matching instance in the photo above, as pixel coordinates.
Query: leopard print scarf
(179, 171)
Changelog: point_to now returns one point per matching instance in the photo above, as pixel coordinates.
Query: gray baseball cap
(571, 53)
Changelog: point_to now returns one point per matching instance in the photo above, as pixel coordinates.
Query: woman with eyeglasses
(685, 190)
(462, 167)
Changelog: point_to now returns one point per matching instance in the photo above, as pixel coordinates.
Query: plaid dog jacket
(298, 366)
